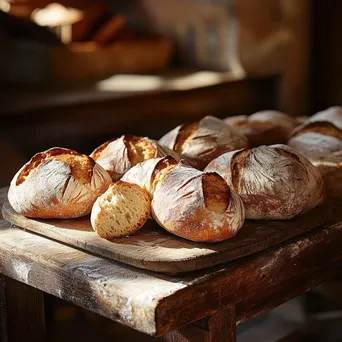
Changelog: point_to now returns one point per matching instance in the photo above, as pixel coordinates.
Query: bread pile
(199, 181)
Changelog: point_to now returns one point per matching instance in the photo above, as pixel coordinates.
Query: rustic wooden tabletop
(198, 306)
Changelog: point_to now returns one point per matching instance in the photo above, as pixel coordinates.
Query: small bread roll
(265, 127)
(274, 182)
(197, 206)
(57, 183)
(117, 156)
(120, 211)
(200, 142)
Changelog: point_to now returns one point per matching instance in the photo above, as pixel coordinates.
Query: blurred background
(79, 72)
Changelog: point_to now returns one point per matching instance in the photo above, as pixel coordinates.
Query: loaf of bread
(331, 114)
(318, 140)
(200, 142)
(274, 182)
(265, 127)
(57, 183)
(120, 211)
(187, 202)
(117, 156)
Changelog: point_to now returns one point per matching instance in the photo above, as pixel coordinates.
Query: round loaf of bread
(200, 142)
(197, 206)
(274, 182)
(332, 115)
(57, 183)
(265, 127)
(318, 140)
(120, 211)
(117, 156)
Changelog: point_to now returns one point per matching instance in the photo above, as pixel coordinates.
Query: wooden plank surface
(157, 304)
(154, 249)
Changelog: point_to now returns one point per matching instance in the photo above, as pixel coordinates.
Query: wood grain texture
(154, 249)
(22, 312)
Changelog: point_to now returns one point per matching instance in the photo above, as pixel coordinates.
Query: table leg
(22, 316)
(220, 327)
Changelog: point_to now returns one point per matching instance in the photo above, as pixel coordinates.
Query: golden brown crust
(139, 149)
(81, 165)
(237, 165)
(185, 134)
(216, 192)
(161, 170)
(323, 127)
(287, 154)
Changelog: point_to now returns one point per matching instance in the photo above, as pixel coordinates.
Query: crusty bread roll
(265, 127)
(331, 114)
(120, 211)
(117, 156)
(57, 183)
(274, 182)
(197, 206)
(318, 140)
(200, 142)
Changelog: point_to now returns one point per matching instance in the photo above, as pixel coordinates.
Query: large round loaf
(274, 182)
(57, 183)
(200, 142)
(117, 156)
(265, 127)
(197, 206)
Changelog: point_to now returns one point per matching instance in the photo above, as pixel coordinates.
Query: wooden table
(199, 306)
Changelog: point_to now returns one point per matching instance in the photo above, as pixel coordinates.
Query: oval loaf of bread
(121, 210)
(265, 127)
(57, 183)
(200, 142)
(197, 206)
(117, 156)
(274, 182)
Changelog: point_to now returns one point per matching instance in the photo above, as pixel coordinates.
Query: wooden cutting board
(154, 249)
